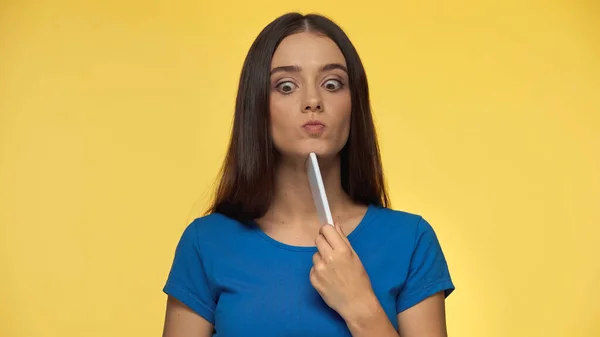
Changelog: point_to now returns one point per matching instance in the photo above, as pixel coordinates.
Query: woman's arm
(425, 319)
(181, 321)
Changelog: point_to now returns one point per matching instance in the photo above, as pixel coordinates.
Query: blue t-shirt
(247, 284)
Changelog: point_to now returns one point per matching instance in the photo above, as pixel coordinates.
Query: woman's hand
(339, 276)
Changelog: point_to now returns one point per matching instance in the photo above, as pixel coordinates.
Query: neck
(293, 202)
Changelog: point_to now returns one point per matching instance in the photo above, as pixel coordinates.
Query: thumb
(340, 230)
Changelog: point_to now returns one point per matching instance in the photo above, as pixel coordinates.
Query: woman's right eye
(286, 87)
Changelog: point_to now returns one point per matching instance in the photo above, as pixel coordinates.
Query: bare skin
(309, 83)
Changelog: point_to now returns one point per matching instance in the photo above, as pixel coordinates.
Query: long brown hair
(246, 185)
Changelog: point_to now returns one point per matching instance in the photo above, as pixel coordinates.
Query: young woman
(259, 263)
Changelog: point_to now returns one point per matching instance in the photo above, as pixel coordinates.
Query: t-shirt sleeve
(187, 280)
(428, 271)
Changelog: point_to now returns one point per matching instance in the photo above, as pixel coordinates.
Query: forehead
(307, 49)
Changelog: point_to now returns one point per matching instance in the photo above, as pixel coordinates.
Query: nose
(318, 107)
(312, 102)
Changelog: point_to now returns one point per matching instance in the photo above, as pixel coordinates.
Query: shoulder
(215, 223)
(212, 230)
(396, 216)
(401, 223)
(399, 219)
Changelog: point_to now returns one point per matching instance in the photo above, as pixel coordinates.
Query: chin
(301, 150)
(321, 150)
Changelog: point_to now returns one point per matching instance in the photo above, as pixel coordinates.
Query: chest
(271, 295)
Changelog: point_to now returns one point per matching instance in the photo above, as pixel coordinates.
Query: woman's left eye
(333, 85)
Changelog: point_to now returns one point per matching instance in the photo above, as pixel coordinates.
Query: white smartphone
(318, 189)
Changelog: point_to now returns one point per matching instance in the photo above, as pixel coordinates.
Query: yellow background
(114, 118)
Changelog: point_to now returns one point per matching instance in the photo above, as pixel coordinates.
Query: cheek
(280, 115)
(277, 113)
(344, 132)
(343, 109)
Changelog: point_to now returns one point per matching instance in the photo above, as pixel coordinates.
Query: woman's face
(310, 100)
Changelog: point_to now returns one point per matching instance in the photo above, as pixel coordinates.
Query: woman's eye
(286, 87)
(333, 85)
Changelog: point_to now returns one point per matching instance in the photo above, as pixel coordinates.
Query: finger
(318, 267)
(340, 230)
(314, 279)
(333, 237)
(323, 246)
(311, 276)
(316, 259)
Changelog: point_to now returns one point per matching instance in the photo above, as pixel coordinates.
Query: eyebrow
(297, 69)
